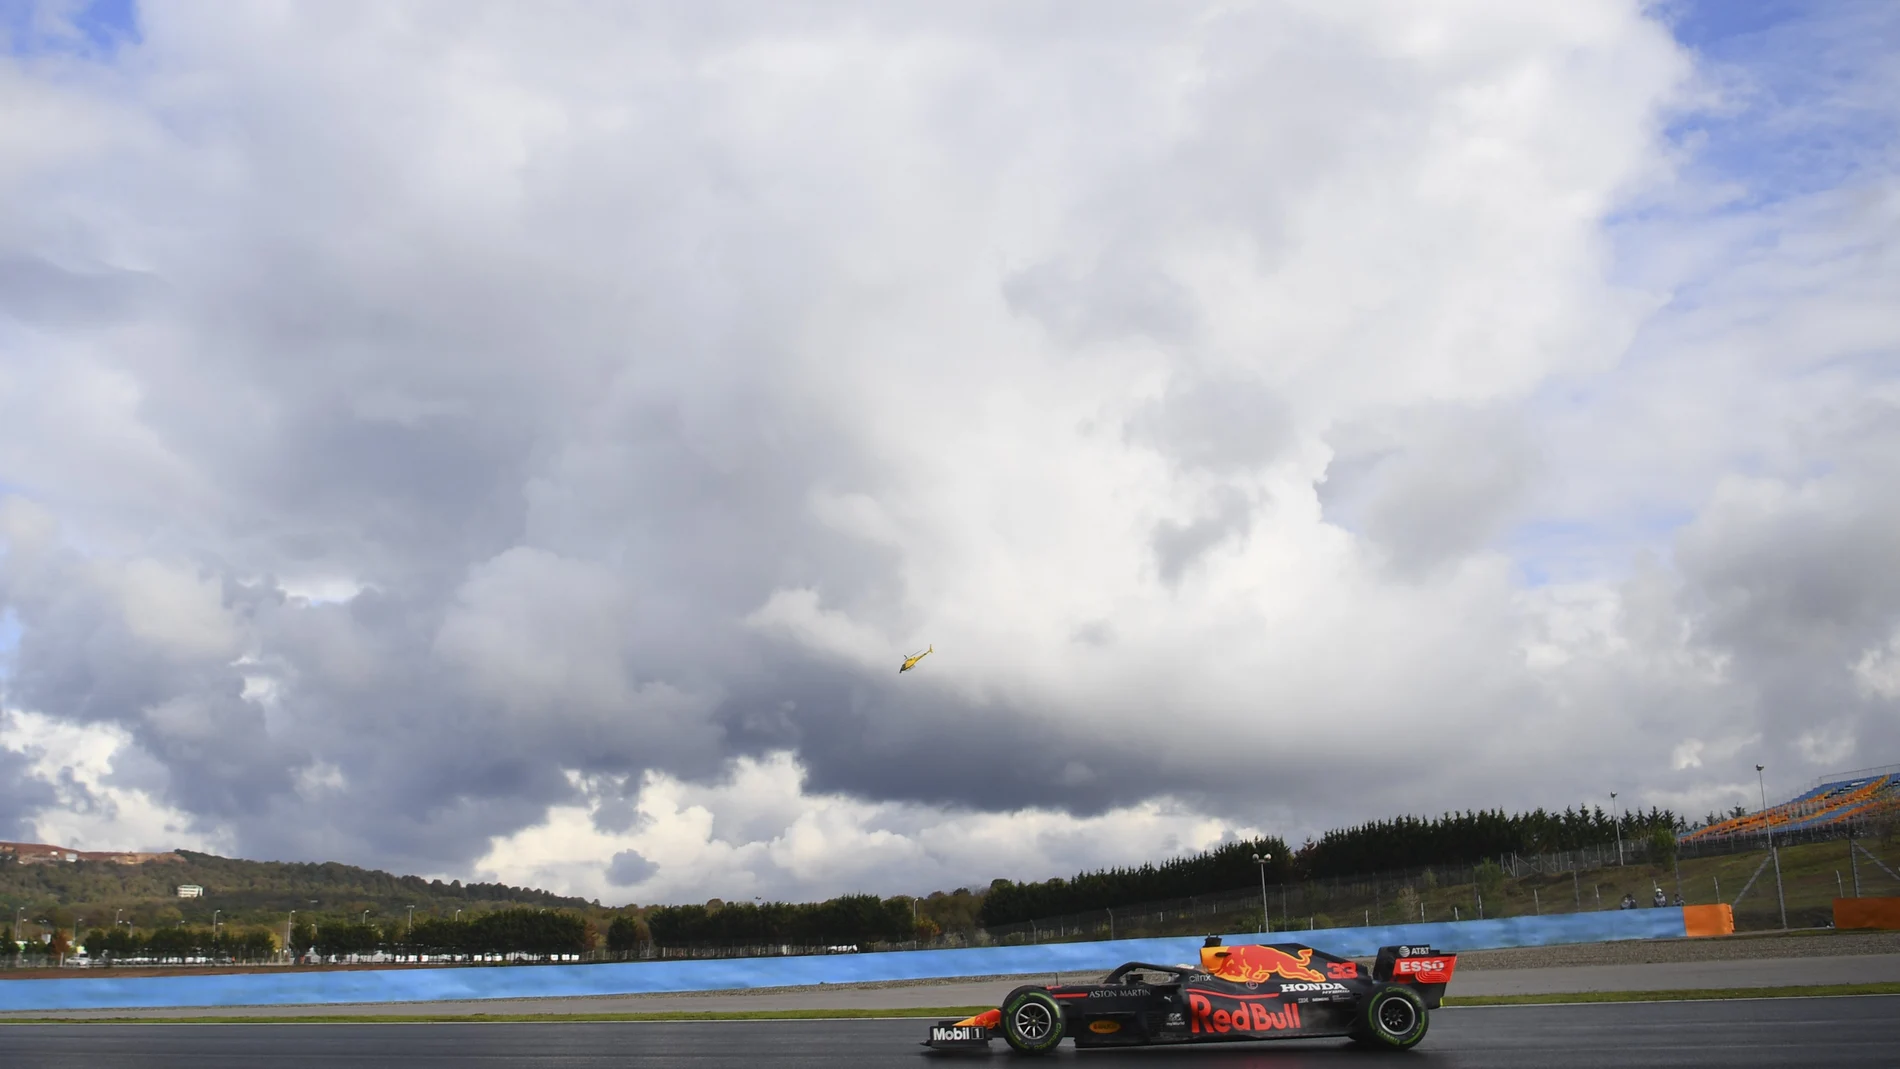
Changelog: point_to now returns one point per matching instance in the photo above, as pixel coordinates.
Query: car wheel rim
(1033, 1021)
(1396, 1016)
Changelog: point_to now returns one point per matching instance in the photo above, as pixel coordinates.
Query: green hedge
(852, 919)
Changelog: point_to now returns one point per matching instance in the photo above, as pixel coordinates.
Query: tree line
(513, 931)
(1469, 837)
(1376, 846)
(169, 943)
(508, 931)
(1223, 868)
(851, 919)
(10, 947)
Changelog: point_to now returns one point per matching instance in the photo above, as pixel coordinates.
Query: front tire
(1392, 1019)
(1032, 1021)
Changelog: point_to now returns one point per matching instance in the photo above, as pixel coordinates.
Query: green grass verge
(932, 1012)
(1811, 991)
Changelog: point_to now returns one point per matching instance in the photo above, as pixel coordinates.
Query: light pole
(1614, 823)
(214, 924)
(1266, 921)
(288, 926)
(1780, 898)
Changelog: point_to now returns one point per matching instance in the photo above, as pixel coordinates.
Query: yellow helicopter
(911, 661)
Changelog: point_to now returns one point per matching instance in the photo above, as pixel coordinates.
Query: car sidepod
(1292, 991)
(1275, 991)
(1122, 1015)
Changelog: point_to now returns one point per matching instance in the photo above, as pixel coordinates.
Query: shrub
(1489, 878)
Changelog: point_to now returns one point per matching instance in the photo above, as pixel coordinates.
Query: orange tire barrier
(1708, 920)
(1867, 913)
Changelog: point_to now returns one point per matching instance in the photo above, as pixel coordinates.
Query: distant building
(46, 854)
(190, 890)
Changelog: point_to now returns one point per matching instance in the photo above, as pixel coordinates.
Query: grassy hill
(245, 893)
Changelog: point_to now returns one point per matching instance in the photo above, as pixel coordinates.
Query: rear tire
(1032, 1021)
(1393, 1018)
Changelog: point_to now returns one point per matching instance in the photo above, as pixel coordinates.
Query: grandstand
(1859, 797)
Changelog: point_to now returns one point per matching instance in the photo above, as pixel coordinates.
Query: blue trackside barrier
(659, 977)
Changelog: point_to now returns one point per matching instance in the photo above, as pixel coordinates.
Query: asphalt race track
(1654, 976)
(1835, 1032)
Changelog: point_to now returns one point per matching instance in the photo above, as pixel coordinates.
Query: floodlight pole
(1614, 823)
(1266, 919)
(1780, 897)
(1852, 861)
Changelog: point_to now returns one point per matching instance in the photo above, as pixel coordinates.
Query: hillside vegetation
(1442, 869)
(245, 892)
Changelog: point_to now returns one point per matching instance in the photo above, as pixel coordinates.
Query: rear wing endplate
(1428, 970)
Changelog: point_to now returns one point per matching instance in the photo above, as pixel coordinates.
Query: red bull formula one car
(1281, 991)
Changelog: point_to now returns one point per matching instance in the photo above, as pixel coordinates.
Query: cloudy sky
(493, 440)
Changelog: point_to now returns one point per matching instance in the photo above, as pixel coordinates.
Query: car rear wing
(1426, 969)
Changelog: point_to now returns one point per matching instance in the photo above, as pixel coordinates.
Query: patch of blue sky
(10, 632)
(1548, 551)
(9, 620)
(1808, 103)
(1807, 94)
(84, 29)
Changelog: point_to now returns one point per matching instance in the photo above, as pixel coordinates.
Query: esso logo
(1422, 967)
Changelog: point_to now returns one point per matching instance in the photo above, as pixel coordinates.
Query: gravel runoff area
(1804, 958)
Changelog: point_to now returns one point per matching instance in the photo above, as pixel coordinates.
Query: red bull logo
(1257, 964)
(1235, 1015)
